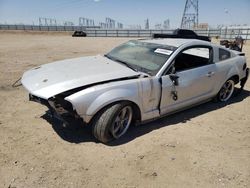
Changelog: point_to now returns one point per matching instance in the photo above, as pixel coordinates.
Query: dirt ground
(206, 146)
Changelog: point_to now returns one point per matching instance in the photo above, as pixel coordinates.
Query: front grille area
(59, 108)
(57, 105)
(60, 105)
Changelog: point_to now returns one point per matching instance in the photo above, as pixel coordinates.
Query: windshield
(142, 56)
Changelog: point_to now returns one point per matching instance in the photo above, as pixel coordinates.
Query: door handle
(209, 74)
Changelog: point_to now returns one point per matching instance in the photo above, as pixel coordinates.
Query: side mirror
(174, 79)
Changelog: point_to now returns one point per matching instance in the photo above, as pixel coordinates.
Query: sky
(128, 12)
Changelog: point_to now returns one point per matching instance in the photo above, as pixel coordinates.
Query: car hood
(51, 79)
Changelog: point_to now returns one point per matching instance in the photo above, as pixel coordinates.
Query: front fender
(111, 97)
(89, 101)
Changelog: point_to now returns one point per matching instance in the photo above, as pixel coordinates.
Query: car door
(195, 70)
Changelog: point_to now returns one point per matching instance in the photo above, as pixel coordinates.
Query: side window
(224, 54)
(193, 58)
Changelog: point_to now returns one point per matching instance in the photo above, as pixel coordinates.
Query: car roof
(176, 42)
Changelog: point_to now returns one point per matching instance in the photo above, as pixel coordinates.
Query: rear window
(224, 54)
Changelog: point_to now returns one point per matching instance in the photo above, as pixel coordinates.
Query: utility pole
(166, 24)
(147, 23)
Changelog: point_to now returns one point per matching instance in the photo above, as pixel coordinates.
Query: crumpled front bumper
(57, 112)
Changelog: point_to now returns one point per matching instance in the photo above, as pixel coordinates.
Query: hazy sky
(129, 12)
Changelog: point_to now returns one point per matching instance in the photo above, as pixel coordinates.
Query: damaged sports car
(137, 81)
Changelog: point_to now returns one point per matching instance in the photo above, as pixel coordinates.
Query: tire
(112, 122)
(226, 91)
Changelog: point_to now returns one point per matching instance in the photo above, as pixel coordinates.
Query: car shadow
(77, 132)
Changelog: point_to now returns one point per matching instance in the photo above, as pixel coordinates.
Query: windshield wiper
(122, 62)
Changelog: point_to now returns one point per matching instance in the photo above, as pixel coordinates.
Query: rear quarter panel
(227, 68)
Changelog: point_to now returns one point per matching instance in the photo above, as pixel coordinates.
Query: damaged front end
(62, 109)
(58, 107)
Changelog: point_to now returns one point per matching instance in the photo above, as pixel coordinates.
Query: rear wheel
(113, 122)
(226, 91)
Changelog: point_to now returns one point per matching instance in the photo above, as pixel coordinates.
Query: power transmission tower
(190, 14)
(47, 22)
(68, 23)
(110, 23)
(103, 25)
(119, 25)
(86, 22)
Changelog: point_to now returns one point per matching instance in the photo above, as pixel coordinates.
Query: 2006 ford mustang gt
(137, 81)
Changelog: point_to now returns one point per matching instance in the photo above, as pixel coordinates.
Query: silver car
(137, 81)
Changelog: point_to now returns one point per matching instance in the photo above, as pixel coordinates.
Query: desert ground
(206, 146)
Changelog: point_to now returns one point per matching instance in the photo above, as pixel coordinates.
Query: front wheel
(112, 122)
(226, 91)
